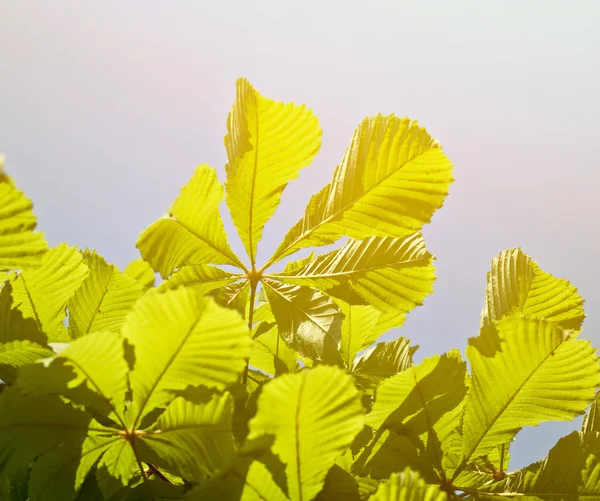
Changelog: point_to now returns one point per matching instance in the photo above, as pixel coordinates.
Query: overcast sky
(107, 107)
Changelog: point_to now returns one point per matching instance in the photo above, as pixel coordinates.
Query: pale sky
(107, 107)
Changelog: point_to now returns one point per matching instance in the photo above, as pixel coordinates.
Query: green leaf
(390, 274)
(93, 363)
(21, 341)
(425, 400)
(524, 372)
(517, 285)
(261, 479)
(43, 293)
(267, 144)
(60, 473)
(571, 472)
(591, 421)
(20, 246)
(391, 180)
(385, 359)
(194, 437)
(235, 296)
(15, 354)
(270, 353)
(203, 278)
(309, 321)
(192, 231)
(206, 345)
(313, 417)
(407, 486)
(103, 300)
(30, 427)
(141, 272)
(116, 468)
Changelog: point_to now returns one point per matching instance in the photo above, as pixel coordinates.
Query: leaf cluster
(233, 380)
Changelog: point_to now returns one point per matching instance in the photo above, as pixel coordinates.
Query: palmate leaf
(407, 486)
(132, 374)
(517, 285)
(524, 372)
(313, 417)
(309, 321)
(385, 359)
(206, 345)
(20, 246)
(194, 437)
(43, 293)
(141, 272)
(267, 144)
(103, 300)
(391, 180)
(390, 274)
(571, 472)
(192, 232)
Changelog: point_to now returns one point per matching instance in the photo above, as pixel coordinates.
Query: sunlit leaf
(313, 416)
(524, 372)
(43, 293)
(203, 278)
(142, 272)
(407, 486)
(103, 300)
(391, 180)
(20, 246)
(309, 321)
(391, 274)
(206, 344)
(192, 231)
(516, 284)
(267, 144)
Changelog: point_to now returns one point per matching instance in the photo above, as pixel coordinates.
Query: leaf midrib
(279, 255)
(501, 411)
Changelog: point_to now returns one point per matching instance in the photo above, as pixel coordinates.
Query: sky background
(107, 107)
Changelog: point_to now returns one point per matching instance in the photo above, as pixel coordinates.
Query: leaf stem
(254, 279)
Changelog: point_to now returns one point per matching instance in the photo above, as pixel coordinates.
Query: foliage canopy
(233, 380)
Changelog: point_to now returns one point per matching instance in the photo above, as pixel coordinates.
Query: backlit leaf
(192, 231)
(267, 144)
(43, 293)
(103, 300)
(142, 272)
(391, 180)
(309, 321)
(517, 285)
(20, 246)
(313, 416)
(524, 372)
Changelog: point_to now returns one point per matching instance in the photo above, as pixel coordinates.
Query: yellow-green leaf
(267, 144)
(425, 400)
(391, 180)
(104, 298)
(206, 345)
(142, 272)
(391, 274)
(203, 278)
(20, 246)
(516, 284)
(313, 417)
(524, 371)
(192, 231)
(407, 486)
(43, 293)
(270, 353)
(309, 321)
